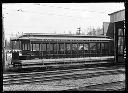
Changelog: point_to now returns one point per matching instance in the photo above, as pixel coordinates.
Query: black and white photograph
(63, 46)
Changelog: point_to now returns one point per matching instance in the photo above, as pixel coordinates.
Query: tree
(95, 31)
(69, 32)
(92, 31)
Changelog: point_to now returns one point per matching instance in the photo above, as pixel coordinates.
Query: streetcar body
(43, 49)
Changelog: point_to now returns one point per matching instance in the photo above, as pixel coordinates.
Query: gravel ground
(65, 84)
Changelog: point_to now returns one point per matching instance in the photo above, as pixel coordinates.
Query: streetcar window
(19, 45)
(80, 47)
(31, 47)
(68, 47)
(98, 48)
(40, 47)
(22, 46)
(43, 47)
(74, 47)
(102, 47)
(93, 47)
(56, 47)
(106, 47)
(86, 47)
(49, 47)
(61, 47)
(26, 47)
(35, 47)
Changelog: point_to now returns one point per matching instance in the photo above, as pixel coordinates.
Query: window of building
(120, 41)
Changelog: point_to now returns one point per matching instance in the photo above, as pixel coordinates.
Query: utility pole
(3, 46)
(79, 31)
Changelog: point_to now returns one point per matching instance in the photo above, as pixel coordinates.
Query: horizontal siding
(119, 16)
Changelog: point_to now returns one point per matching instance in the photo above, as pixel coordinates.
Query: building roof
(116, 12)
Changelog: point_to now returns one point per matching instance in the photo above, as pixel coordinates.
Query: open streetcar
(40, 50)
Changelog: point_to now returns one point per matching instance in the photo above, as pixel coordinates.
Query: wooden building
(116, 30)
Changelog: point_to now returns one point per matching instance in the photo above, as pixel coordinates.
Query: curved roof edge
(53, 34)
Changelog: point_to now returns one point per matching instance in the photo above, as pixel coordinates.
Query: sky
(60, 18)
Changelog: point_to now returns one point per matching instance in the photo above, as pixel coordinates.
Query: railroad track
(112, 86)
(108, 86)
(58, 71)
(36, 77)
(42, 69)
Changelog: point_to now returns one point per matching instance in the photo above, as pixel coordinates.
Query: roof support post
(96, 49)
(12, 45)
(77, 49)
(46, 50)
(30, 48)
(83, 50)
(57, 48)
(21, 46)
(41, 50)
(100, 49)
(71, 48)
(53, 50)
(89, 49)
(64, 49)
(49, 49)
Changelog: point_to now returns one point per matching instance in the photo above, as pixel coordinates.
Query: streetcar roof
(47, 37)
(61, 35)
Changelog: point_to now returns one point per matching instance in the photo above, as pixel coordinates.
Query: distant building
(105, 28)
